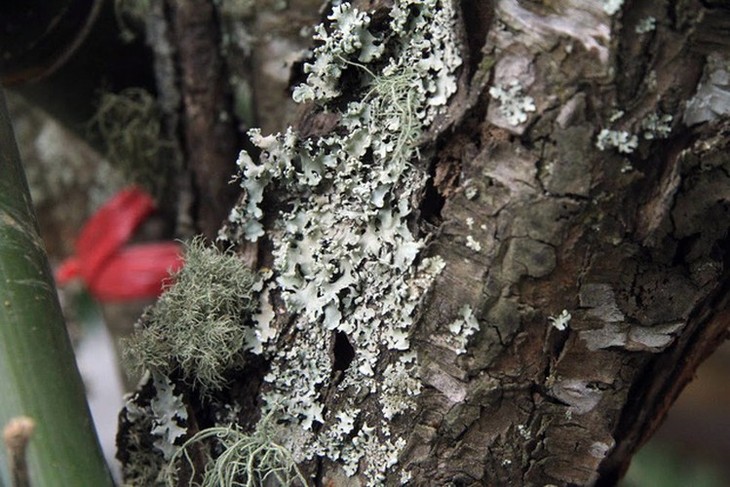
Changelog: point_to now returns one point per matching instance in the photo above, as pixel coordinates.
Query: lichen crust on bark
(345, 258)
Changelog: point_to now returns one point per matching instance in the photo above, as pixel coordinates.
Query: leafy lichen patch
(561, 321)
(652, 126)
(657, 126)
(647, 24)
(473, 244)
(612, 6)
(152, 420)
(345, 259)
(462, 328)
(621, 140)
(513, 104)
(170, 415)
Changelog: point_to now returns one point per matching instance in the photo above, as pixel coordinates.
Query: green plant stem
(38, 374)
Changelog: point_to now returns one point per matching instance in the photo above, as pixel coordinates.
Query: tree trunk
(497, 241)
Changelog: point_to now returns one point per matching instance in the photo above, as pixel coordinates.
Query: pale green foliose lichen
(473, 244)
(620, 140)
(461, 329)
(345, 259)
(399, 386)
(612, 6)
(166, 414)
(380, 453)
(657, 126)
(347, 40)
(169, 415)
(513, 104)
(653, 126)
(561, 321)
(616, 115)
(647, 24)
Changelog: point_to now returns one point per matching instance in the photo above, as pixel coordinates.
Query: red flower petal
(109, 228)
(137, 271)
(69, 269)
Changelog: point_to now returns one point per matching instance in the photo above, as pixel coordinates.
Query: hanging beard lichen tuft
(198, 326)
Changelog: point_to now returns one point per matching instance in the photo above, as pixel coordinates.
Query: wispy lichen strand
(247, 460)
(345, 259)
(198, 326)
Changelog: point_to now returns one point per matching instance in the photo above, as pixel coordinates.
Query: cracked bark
(639, 258)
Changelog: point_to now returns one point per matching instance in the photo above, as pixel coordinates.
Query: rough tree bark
(580, 165)
(638, 256)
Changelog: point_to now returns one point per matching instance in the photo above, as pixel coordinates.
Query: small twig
(17, 434)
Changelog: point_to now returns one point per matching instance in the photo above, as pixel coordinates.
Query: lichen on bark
(389, 220)
(345, 258)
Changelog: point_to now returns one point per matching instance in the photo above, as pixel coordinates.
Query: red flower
(113, 272)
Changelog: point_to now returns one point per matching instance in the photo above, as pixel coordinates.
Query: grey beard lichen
(129, 127)
(196, 333)
(254, 459)
(197, 329)
(345, 259)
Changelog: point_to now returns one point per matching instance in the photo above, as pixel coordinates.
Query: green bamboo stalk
(38, 374)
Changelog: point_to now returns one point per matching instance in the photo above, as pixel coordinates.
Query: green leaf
(38, 374)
